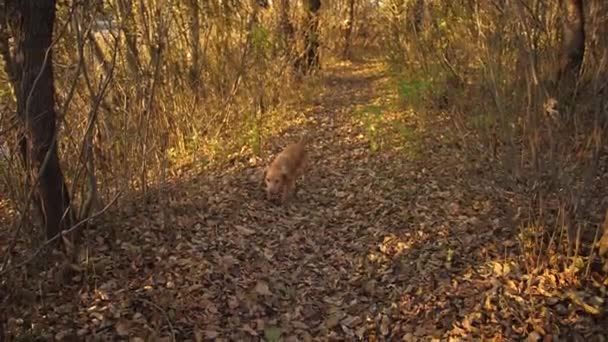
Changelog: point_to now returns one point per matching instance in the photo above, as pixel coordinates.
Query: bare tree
(349, 28)
(419, 15)
(195, 29)
(286, 30)
(311, 38)
(129, 28)
(32, 24)
(573, 43)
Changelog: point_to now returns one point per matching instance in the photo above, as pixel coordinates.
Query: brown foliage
(454, 192)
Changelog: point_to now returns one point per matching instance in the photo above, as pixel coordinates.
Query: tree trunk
(573, 44)
(420, 15)
(33, 31)
(349, 28)
(10, 67)
(195, 29)
(129, 28)
(311, 38)
(286, 29)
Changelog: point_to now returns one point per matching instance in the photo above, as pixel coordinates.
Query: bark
(10, 67)
(195, 29)
(263, 3)
(33, 29)
(419, 15)
(349, 28)
(129, 28)
(573, 44)
(285, 26)
(98, 52)
(311, 38)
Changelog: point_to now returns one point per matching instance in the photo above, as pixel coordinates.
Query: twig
(93, 114)
(242, 68)
(29, 199)
(52, 145)
(9, 128)
(164, 314)
(48, 242)
(593, 245)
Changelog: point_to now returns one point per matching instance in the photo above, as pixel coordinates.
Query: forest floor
(393, 234)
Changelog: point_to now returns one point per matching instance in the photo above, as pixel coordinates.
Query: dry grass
(503, 173)
(491, 76)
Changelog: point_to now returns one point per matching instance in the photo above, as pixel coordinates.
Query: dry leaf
(211, 334)
(351, 321)
(534, 337)
(332, 321)
(384, 325)
(243, 230)
(122, 328)
(261, 288)
(247, 328)
(198, 335)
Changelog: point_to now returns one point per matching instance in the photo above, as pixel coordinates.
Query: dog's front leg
(287, 190)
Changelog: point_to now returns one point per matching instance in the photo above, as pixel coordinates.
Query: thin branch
(64, 232)
(164, 314)
(97, 98)
(47, 157)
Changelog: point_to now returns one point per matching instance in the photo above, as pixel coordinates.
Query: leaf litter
(375, 246)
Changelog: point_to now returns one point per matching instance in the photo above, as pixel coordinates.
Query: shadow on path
(373, 244)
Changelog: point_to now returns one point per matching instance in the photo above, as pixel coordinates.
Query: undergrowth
(387, 128)
(495, 102)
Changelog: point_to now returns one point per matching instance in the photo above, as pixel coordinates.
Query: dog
(281, 175)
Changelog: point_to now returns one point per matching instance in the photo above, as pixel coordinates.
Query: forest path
(405, 243)
(372, 244)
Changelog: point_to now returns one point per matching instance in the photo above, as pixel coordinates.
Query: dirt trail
(374, 245)
(362, 250)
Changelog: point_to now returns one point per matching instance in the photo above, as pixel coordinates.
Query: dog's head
(275, 178)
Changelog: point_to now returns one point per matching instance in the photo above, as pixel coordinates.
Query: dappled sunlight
(487, 298)
(372, 245)
(393, 246)
(7, 209)
(387, 131)
(443, 196)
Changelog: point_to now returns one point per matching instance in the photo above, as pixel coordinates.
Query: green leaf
(272, 334)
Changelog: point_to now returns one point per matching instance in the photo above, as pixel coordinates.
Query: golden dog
(281, 175)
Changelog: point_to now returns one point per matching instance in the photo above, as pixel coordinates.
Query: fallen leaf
(211, 334)
(409, 337)
(272, 334)
(261, 288)
(198, 335)
(243, 230)
(534, 337)
(247, 328)
(122, 328)
(351, 321)
(384, 325)
(341, 194)
(332, 321)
